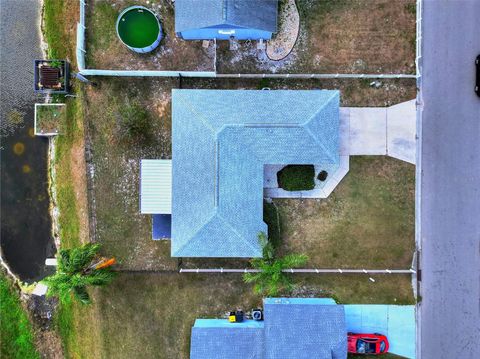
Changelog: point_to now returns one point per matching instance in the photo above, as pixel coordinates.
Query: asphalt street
(449, 313)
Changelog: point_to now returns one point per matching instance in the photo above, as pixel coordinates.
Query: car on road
(477, 84)
(371, 344)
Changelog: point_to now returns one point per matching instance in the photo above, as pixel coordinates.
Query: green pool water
(138, 28)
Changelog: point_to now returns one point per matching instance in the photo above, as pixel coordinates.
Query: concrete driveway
(397, 322)
(380, 130)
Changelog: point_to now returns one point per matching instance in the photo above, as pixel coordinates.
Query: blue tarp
(161, 226)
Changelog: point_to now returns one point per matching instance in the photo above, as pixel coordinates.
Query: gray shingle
(197, 14)
(221, 141)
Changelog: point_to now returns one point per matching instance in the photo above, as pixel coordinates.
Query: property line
(302, 270)
(83, 70)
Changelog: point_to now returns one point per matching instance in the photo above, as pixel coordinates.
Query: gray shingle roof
(302, 329)
(215, 340)
(221, 141)
(293, 328)
(254, 14)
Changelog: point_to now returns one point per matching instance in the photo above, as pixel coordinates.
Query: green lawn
(16, 332)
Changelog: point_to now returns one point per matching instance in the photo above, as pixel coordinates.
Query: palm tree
(271, 279)
(77, 269)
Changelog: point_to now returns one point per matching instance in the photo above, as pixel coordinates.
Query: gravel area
(289, 25)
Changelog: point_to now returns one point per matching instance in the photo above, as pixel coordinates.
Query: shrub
(271, 218)
(134, 124)
(296, 177)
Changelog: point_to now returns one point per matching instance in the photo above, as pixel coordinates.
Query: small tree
(77, 269)
(271, 279)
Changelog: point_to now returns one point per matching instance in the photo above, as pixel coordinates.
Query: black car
(477, 85)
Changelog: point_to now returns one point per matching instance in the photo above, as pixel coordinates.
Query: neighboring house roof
(292, 328)
(156, 186)
(254, 14)
(217, 338)
(221, 140)
(304, 328)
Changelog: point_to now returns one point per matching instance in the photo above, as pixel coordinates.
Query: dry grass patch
(151, 315)
(353, 92)
(106, 51)
(367, 222)
(123, 231)
(338, 36)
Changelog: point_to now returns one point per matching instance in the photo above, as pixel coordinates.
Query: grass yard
(106, 51)
(367, 222)
(151, 315)
(163, 306)
(120, 228)
(123, 231)
(338, 36)
(353, 92)
(16, 331)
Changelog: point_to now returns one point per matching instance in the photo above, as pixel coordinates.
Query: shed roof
(221, 141)
(292, 328)
(253, 14)
(156, 186)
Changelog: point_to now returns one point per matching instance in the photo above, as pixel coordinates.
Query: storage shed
(225, 19)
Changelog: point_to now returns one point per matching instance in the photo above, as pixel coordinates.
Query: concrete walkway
(387, 131)
(396, 322)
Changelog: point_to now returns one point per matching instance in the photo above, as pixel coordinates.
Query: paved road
(25, 223)
(450, 182)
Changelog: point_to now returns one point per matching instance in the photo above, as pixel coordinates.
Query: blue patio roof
(293, 328)
(221, 140)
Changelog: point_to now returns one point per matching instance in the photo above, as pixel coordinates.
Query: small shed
(225, 19)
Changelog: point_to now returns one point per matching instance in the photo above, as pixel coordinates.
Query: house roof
(292, 328)
(304, 329)
(217, 338)
(254, 14)
(221, 141)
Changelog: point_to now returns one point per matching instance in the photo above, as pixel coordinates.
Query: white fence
(80, 51)
(305, 270)
(82, 67)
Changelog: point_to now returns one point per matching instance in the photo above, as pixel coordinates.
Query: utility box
(51, 76)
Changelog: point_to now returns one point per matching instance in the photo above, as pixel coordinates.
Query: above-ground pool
(139, 29)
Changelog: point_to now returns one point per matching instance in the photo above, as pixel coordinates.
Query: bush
(271, 218)
(296, 178)
(134, 124)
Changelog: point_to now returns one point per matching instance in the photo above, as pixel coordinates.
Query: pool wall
(146, 49)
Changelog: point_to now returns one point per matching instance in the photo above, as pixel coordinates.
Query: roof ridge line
(198, 230)
(307, 123)
(199, 114)
(235, 231)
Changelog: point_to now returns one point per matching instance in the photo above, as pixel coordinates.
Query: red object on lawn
(367, 343)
